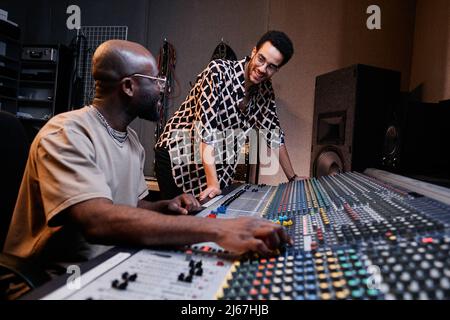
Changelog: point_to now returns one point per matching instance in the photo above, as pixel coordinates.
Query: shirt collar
(239, 70)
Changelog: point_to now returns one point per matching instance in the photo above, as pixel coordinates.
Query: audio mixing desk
(356, 236)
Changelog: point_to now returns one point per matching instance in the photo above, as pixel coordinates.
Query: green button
(349, 273)
(357, 293)
(346, 265)
(362, 272)
(343, 259)
(372, 292)
(353, 282)
(358, 264)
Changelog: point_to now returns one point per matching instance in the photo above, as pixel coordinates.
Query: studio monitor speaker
(351, 108)
(416, 135)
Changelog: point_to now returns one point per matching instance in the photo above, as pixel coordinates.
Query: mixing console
(355, 237)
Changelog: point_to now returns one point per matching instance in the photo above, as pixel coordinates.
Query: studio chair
(17, 275)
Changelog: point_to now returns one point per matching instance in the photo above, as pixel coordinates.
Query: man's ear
(253, 52)
(127, 86)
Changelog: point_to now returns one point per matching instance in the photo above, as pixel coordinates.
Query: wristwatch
(292, 178)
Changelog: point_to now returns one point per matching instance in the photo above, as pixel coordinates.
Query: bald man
(83, 186)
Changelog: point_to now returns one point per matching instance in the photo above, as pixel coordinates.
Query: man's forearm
(208, 161)
(285, 162)
(106, 223)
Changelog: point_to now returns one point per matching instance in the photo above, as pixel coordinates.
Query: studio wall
(327, 34)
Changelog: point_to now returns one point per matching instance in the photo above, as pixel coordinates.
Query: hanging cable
(166, 65)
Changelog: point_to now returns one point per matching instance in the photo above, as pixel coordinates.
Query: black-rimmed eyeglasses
(261, 60)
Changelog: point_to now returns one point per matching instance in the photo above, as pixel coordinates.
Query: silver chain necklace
(118, 136)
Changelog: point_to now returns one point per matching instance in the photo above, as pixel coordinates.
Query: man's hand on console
(183, 204)
(246, 234)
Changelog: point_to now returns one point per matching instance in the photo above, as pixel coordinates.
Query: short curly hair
(280, 41)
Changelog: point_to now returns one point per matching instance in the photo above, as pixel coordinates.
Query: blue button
(311, 277)
(310, 287)
(299, 288)
(298, 263)
(311, 297)
(298, 270)
(310, 270)
(221, 209)
(299, 296)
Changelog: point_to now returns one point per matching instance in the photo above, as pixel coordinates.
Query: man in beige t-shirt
(83, 186)
(72, 159)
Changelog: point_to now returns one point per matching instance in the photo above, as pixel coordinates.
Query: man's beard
(148, 108)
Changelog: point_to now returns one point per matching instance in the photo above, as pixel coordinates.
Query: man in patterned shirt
(228, 101)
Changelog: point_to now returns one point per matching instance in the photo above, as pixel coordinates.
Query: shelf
(40, 63)
(6, 38)
(8, 78)
(6, 27)
(9, 73)
(32, 119)
(8, 97)
(37, 82)
(8, 59)
(8, 91)
(34, 101)
(6, 85)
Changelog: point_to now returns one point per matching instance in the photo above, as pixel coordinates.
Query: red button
(256, 282)
(253, 292)
(427, 240)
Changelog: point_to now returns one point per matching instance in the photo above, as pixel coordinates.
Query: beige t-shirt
(72, 159)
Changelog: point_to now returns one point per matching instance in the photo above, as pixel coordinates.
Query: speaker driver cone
(328, 163)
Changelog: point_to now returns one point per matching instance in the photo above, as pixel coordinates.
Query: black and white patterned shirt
(211, 114)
